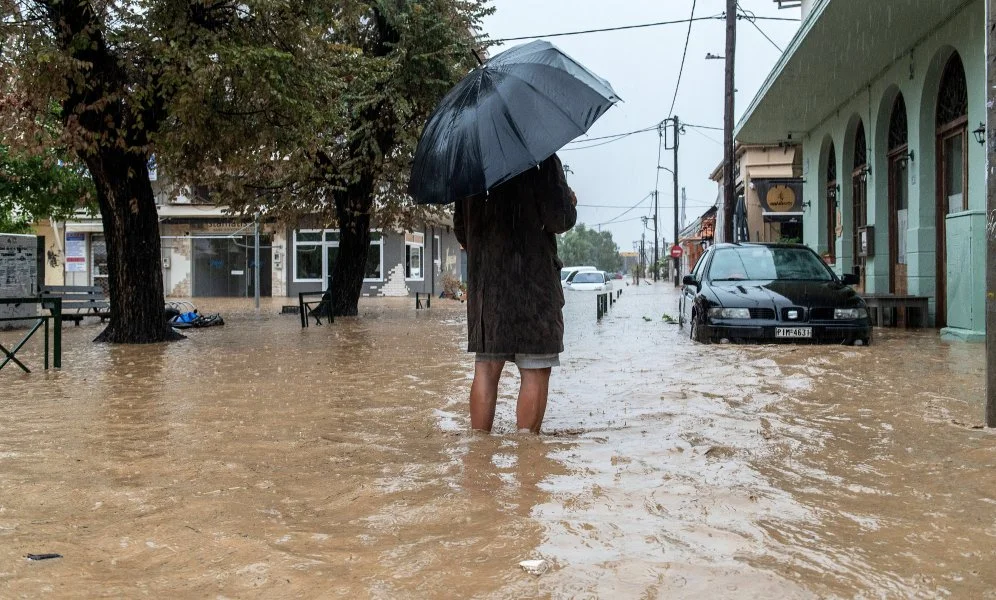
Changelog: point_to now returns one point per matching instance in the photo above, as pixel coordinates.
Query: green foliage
(40, 187)
(343, 105)
(583, 246)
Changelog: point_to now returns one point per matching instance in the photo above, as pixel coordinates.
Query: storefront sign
(75, 252)
(779, 195)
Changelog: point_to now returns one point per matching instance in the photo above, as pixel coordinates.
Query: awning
(84, 227)
(841, 47)
(781, 217)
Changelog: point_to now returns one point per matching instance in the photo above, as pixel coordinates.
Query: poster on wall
(75, 252)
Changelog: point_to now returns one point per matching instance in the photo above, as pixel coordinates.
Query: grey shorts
(523, 361)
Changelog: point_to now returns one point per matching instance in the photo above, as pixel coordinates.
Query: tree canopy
(281, 108)
(583, 246)
(35, 187)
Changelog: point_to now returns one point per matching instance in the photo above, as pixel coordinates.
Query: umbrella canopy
(506, 116)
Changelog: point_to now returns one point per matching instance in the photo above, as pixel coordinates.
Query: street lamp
(980, 133)
(711, 56)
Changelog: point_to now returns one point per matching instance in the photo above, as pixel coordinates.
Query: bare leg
(484, 394)
(533, 390)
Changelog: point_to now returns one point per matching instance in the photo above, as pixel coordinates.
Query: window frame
(412, 243)
(325, 243)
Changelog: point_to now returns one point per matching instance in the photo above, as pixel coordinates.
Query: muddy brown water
(260, 460)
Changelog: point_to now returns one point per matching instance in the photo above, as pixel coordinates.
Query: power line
(628, 210)
(711, 139)
(616, 135)
(615, 139)
(701, 127)
(751, 18)
(718, 17)
(681, 69)
(601, 30)
(600, 206)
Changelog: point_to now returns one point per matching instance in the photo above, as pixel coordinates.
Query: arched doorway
(834, 224)
(859, 203)
(898, 196)
(952, 165)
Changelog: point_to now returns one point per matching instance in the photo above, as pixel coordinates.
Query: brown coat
(515, 299)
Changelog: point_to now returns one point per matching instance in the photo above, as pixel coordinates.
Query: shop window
(315, 253)
(308, 251)
(414, 253)
(375, 258)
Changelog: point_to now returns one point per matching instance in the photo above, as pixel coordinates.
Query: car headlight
(849, 313)
(729, 313)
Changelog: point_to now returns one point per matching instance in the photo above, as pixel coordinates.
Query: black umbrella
(509, 114)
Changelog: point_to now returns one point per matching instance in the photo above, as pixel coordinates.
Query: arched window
(898, 131)
(898, 196)
(952, 165)
(831, 252)
(859, 201)
(952, 137)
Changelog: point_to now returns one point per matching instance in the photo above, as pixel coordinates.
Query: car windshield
(564, 273)
(767, 263)
(588, 278)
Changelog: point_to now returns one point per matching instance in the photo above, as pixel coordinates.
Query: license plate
(793, 332)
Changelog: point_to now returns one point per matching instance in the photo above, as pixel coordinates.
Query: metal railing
(605, 300)
(54, 306)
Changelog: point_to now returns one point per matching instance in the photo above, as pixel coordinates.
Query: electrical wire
(616, 135)
(681, 69)
(627, 211)
(752, 18)
(616, 139)
(718, 17)
(702, 127)
(600, 30)
(711, 139)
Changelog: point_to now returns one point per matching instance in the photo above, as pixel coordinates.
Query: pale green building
(887, 99)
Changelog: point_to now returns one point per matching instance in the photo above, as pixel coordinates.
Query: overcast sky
(642, 65)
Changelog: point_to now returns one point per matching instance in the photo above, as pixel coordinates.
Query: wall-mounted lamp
(980, 133)
(908, 157)
(864, 173)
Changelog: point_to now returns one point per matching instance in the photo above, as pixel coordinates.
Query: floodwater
(260, 460)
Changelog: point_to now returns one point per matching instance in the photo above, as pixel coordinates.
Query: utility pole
(729, 183)
(255, 270)
(990, 208)
(656, 255)
(677, 140)
(643, 253)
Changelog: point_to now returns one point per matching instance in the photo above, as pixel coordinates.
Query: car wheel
(694, 332)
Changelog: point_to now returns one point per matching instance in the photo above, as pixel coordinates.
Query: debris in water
(534, 567)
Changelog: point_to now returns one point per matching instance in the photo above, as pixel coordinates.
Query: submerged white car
(588, 281)
(567, 274)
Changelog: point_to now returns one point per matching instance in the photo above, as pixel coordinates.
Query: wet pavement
(260, 460)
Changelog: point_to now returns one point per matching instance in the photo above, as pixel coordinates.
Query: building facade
(768, 191)
(208, 253)
(888, 101)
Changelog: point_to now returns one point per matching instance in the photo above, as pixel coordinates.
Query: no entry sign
(676, 251)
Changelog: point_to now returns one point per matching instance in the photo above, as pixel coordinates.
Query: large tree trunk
(353, 212)
(131, 228)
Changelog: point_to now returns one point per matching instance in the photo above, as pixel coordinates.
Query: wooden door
(898, 223)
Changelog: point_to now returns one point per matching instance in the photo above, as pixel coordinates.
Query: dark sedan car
(771, 292)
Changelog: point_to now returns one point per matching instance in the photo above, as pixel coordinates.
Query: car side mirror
(850, 279)
(689, 280)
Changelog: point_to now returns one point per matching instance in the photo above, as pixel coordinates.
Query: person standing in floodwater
(514, 295)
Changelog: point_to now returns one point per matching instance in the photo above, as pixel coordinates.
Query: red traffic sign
(676, 251)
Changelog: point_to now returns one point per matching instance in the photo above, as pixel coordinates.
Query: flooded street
(262, 460)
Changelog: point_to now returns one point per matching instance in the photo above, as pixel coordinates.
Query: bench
(308, 305)
(79, 301)
(878, 304)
